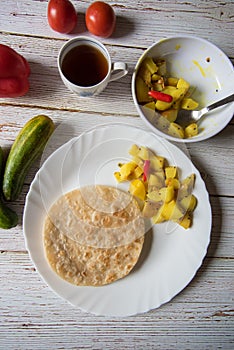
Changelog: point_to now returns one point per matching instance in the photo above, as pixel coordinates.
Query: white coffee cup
(114, 70)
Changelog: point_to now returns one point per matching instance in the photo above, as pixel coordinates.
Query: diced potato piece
(173, 182)
(171, 172)
(155, 77)
(137, 172)
(158, 85)
(162, 106)
(145, 75)
(137, 188)
(178, 94)
(183, 84)
(188, 203)
(186, 187)
(186, 221)
(167, 194)
(151, 65)
(155, 181)
(154, 196)
(142, 91)
(150, 209)
(150, 105)
(157, 162)
(176, 104)
(158, 218)
(170, 114)
(189, 104)
(171, 211)
(172, 81)
(143, 153)
(162, 67)
(191, 130)
(126, 170)
(160, 122)
(169, 89)
(133, 151)
(138, 161)
(176, 130)
(117, 175)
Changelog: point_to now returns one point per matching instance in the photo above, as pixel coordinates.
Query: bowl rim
(141, 114)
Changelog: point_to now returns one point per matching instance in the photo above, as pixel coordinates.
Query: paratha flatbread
(69, 252)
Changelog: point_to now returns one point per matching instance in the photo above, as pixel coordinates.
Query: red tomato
(62, 16)
(100, 19)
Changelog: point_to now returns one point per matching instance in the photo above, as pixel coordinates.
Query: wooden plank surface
(31, 315)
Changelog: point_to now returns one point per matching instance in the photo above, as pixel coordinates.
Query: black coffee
(85, 65)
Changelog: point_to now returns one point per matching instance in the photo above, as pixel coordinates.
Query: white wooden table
(32, 316)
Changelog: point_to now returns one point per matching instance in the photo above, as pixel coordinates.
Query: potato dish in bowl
(166, 95)
(195, 62)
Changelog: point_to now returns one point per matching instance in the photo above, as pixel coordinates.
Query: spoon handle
(221, 102)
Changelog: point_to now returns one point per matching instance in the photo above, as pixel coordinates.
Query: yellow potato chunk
(133, 151)
(157, 162)
(127, 169)
(183, 84)
(162, 106)
(171, 211)
(170, 172)
(176, 130)
(186, 221)
(117, 175)
(178, 94)
(189, 104)
(137, 188)
(137, 172)
(170, 114)
(191, 130)
(150, 209)
(162, 67)
(155, 180)
(142, 90)
(154, 196)
(188, 203)
(150, 65)
(173, 182)
(172, 81)
(150, 105)
(186, 187)
(143, 153)
(158, 218)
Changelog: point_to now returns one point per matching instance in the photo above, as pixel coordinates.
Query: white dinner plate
(171, 255)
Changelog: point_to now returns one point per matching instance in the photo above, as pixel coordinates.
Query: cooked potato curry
(161, 194)
(152, 78)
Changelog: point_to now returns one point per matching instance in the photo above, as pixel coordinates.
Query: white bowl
(206, 68)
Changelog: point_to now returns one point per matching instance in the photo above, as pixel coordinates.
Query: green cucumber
(8, 218)
(28, 146)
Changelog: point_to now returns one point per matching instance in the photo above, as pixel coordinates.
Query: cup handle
(118, 70)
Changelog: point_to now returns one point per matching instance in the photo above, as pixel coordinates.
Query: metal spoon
(186, 117)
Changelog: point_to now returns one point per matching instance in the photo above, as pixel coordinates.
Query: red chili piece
(146, 169)
(161, 96)
(14, 72)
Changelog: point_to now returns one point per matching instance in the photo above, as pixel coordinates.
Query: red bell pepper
(14, 73)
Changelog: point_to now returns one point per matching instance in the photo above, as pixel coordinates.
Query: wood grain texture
(31, 315)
